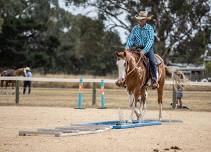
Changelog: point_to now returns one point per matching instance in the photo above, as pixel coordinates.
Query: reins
(134, 67)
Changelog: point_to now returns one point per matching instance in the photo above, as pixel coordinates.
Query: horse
(11, 73)
(1, 70)
(133, 71)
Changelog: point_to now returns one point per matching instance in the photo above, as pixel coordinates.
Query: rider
(142, 37)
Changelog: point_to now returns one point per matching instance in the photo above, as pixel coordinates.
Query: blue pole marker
(80, 95)
(102, 94)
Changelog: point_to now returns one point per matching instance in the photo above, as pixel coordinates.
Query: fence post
(17, 92)
(80, 95)
(174, 97)
(102, 94)
(93, 93)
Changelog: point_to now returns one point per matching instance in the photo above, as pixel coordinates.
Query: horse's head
(124, 58)
(127, 63)
(121, 65)
(20, 72)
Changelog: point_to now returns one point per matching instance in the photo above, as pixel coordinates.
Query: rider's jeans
(151, 56)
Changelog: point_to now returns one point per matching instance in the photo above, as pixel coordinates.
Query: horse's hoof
(130, 121)
(154, 85)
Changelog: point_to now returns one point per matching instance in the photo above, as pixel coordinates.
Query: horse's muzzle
(120, 83)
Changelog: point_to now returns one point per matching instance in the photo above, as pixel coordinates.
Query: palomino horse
(133, 71)
(11, 73)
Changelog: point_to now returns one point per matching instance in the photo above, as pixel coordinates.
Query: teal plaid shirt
(141, 37)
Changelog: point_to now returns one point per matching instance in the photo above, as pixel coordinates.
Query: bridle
(131, 71)
(135, 67)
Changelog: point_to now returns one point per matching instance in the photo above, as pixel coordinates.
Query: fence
(80, 81)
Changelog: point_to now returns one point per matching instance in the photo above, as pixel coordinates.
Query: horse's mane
(138, 56)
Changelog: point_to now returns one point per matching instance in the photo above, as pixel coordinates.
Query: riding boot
(154, 83)
(153, 68)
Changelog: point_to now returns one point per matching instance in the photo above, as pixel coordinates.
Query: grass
(114, 98)
(197, 98)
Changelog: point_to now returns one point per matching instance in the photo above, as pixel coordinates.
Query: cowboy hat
(27, 69)
(143, 15)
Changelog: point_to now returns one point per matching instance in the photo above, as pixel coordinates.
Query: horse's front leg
(137, 108)
(131, 105)
(140, 104)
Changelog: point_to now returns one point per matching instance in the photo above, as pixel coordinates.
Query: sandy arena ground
(193, 135)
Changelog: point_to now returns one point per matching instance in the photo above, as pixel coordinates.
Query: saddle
(138, 49)
(158, 61)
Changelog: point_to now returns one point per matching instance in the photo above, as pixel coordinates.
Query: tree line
(44, 36)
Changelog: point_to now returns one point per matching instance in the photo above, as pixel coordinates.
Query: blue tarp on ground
(125, 124)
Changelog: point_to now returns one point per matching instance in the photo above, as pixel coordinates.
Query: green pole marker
(102, 94)
(80, 95)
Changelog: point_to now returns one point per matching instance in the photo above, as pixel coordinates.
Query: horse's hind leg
(131, 105)
(6, 86)
(160, 99)
(2, 85)
(13, 87)
(143, 102)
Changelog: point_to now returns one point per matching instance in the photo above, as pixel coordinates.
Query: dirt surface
(193, 135)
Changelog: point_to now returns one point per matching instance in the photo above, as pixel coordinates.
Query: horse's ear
(120, 54)
(117, 53)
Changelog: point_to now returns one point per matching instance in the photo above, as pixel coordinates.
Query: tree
(23, 39)
(1, 23)
(191, 51)
(90, 48)
(42, 35)
(176, 24)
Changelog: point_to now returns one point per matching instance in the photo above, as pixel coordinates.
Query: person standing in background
(27, 83)
(178, 79)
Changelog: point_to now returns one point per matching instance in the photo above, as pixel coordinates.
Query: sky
(92, 13)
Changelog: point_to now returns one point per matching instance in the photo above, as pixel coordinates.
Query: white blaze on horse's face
(121, 68)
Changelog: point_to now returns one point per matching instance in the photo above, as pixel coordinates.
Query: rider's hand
(127, 49)
(142, 53)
